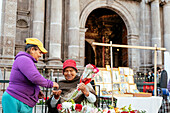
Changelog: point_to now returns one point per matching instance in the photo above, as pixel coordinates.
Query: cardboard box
(119, 95)
(141, 94)
(123, 95)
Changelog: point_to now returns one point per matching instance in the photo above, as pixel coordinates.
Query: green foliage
(111, 107)
(129, 108)
(142, 111)
(41, 102)
(72, 101)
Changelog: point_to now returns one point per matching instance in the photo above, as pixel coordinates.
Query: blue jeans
(12, 105)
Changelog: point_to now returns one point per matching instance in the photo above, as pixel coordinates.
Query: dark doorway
(89, 53)
(105, 25)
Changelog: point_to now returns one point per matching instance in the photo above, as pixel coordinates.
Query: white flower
(88, 109)
(105, 110)
(66, 105)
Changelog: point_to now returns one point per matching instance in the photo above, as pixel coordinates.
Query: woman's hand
(55, 85)
(57, 93)
(83, 89)
(41, 95)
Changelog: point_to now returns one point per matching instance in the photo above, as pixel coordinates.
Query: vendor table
(149, 104)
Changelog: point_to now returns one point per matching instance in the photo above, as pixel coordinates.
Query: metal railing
(47, 91)
(139, 80)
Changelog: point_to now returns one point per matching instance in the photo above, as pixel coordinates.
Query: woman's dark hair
(28, 47)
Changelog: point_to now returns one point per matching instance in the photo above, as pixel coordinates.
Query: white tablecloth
(149, 104)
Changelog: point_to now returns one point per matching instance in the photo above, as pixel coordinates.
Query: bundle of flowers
(89, 72)
(71, 107)
(42, 101)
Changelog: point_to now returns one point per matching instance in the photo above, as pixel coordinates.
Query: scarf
(69, 87)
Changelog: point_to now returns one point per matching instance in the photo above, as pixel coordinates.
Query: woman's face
(36, 53)
(69, 73)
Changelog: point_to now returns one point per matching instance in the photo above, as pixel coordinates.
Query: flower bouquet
(71, 107)
(89, 72)
(124, 110)
(42, 101)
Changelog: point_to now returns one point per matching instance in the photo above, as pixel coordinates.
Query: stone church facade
(68, 27)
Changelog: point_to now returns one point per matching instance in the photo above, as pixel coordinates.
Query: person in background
(68, 86)
(149, 76)
(163, 79)
(158, 74)
(23, 91)
(164, 92)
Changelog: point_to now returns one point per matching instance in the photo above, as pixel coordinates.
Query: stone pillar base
(40, 64)
(6, 61)
(54, 62)
(145, 68)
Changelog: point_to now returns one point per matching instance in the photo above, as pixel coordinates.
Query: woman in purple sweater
(23, 91)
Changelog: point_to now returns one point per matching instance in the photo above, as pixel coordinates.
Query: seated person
(68, 86)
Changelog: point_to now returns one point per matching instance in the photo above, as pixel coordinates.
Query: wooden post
(111, 62)
(155, 67)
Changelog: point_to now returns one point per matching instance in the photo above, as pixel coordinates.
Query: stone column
(38, 21)
(82, 45)
(55, 32)
(145, 36)
(8, 31)
(156, 29)
(133, 54)
(1, 2)
(74, 47)
(166, 16)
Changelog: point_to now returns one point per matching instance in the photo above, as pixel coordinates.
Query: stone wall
(60, 25)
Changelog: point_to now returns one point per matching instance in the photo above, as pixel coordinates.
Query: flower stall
(71, 107)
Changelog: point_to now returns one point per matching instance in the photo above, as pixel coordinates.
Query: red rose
(95, 70)
(108, 111)
(134, 111)
(93, 65)
(46, 98)
(59, 107)
(78, 107)
(86, 80)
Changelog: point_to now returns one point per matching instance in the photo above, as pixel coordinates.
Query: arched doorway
(89, 54)
(105, 25)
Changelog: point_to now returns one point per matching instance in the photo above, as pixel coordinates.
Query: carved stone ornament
(22, 23)
(84, 3)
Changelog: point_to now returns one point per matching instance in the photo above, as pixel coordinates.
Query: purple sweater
(25, 80)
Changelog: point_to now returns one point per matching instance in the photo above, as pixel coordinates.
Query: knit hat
(69, 63)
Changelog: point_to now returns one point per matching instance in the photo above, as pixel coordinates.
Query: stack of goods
(123, 82)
